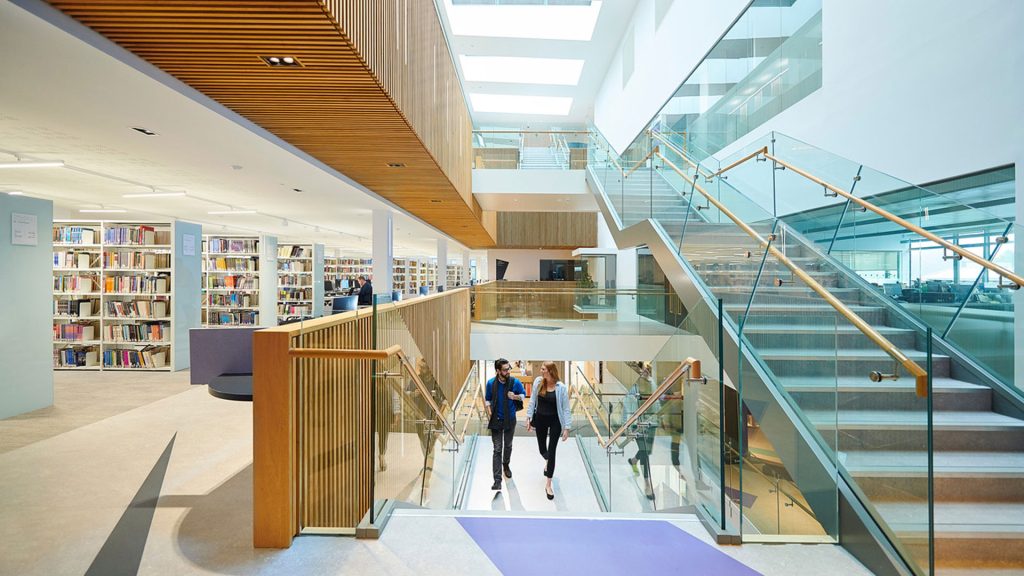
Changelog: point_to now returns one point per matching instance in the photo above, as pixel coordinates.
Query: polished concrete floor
(67, 489)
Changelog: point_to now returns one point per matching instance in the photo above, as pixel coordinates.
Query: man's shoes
(508, 471)
(496, 485)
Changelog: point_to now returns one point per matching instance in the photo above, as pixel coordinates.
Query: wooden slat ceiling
(333, 106)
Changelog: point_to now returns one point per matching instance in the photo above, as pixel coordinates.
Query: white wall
(922, 90)
(523, 264)
(663, 58)
(919, 89)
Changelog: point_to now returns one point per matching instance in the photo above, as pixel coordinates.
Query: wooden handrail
(426, 394)
(920, 375)
(753, 154)
(1016, 279)
(691, 366)
(384, 354)
(341, 353)
(681, 154)
(640, 162)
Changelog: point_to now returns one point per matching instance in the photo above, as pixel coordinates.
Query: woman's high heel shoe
(551, 495)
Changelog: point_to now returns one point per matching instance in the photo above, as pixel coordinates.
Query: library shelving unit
(300, 281)
(400, 275)
(342, 272)
(115, 295)
(457, 276)
(77, 274)
(235, 275)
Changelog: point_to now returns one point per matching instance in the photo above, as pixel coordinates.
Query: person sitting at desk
(365, 291)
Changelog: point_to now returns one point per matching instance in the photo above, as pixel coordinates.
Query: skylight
(513, 69)
(517, 21)
(547, 105)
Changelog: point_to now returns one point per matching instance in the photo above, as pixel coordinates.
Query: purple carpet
(587, 547)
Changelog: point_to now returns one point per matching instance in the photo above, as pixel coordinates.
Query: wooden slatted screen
(554, 230)
(377, 86)
(312, 424)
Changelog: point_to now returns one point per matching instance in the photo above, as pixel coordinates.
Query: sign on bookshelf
(24, 229)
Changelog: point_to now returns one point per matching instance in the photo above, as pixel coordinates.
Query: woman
(550, 414)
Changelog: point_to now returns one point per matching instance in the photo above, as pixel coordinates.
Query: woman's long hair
(553, 372)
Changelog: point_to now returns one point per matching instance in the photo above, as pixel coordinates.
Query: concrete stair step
(959, 476)
(896, 430)
(985, 535)
(860, 393)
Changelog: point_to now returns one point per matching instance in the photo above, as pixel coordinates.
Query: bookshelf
(300, 281)
(114, 295)
(342, 272)
(457, 276)
(77, 276)
(231, 281)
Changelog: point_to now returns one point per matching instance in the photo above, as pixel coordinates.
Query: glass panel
(984, 328)
(547, 306)
(793, 337)
(529, 150)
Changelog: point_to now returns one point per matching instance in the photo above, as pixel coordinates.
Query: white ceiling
(596, 53)
(61, 98)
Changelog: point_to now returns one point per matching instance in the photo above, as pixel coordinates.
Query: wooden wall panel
(313, 428)
(554, 230)
(377, 86)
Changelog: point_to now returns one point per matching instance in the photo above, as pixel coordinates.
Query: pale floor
(62, 494)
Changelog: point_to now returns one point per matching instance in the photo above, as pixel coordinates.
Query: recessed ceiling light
(436, 201)
(145, 131)
(102, 211)
(517, 70)
(299, 190)
(223, 212)
(396, 165)
(15, 193)
(281, 61)
(154, 195)
(33, 164)
(507, 103)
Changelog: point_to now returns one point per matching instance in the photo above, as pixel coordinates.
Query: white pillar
(442, 263)
(465, 267)
(383, 252)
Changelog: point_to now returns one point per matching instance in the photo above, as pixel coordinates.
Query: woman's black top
(547, 405)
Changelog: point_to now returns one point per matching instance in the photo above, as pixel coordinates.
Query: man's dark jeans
(501, 439)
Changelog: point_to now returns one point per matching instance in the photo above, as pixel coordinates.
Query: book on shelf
(294, 251)
(74, 235)
(136, 284)
(149, 357)
(154, 332)
(87, 357)
(228, 245)
(74, 332)
(147, 309)
(136, 236)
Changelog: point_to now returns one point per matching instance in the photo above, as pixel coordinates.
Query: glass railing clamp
(1001, 239)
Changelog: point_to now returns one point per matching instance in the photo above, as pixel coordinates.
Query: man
(501, 398)
(365, 291)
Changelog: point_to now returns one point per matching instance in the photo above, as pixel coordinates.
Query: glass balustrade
(530, 150)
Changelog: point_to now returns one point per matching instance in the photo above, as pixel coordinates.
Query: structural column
(465, 267)
(383, 252)
(442, 264)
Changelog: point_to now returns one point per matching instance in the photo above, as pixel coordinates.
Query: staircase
(877, 431)
(542, 158)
